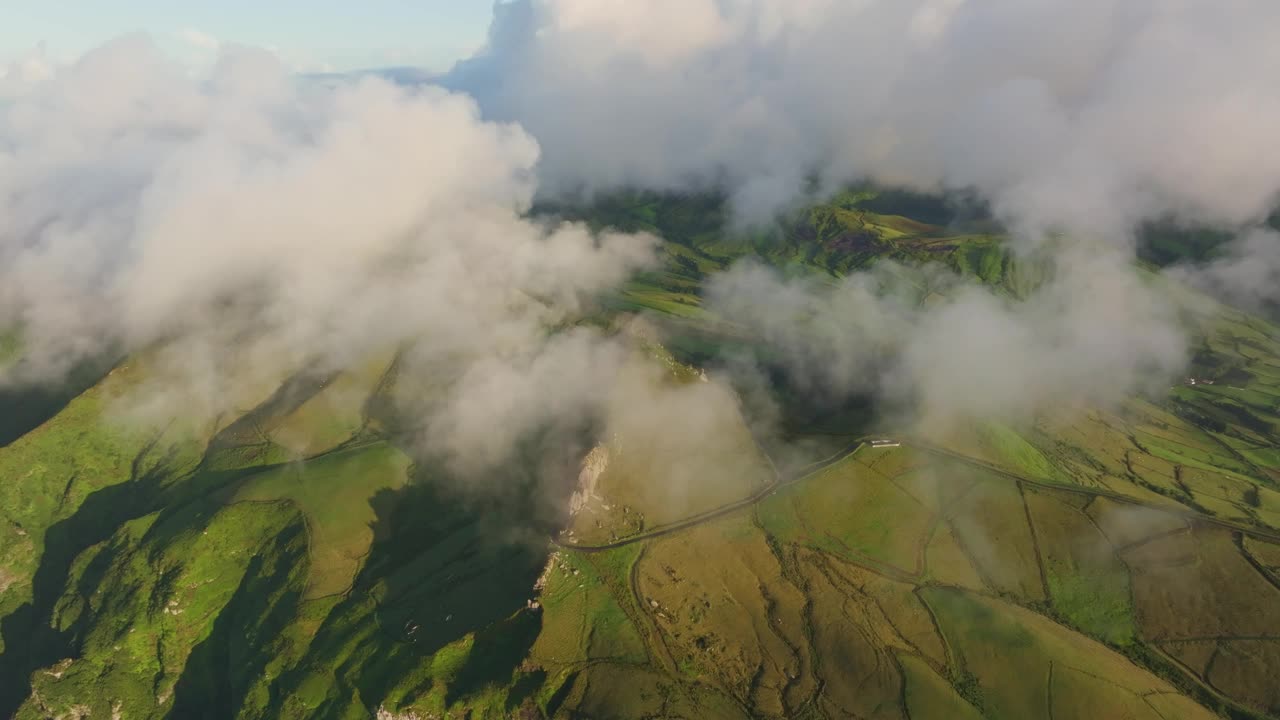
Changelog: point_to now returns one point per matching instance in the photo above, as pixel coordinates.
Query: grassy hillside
(300, 560)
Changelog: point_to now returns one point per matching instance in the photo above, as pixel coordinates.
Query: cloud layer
(1088, 115)
(939, 351)
(1071, 118)
(248, 219)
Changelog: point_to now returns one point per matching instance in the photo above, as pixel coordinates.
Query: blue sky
(313, 34)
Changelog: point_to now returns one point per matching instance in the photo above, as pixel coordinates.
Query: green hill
(306, 560)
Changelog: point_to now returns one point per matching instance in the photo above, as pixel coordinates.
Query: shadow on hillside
(221, 670)
(292, 394)
(441, 567)
(27, 408)
(30, 641)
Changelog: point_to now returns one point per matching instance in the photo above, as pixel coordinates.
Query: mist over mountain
(680, 358)
(1089, 119)
(1087, 116)
(245, 220)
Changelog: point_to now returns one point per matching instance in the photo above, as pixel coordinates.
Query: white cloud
(25, 70)
(1092, 335)
(199, 40)
(1089, 114)
(247, 213)
(1067, 115)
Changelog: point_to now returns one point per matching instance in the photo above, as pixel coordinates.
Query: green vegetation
(929, 695)
(851, 511)
(10, 346)
(1092, 603)
(1012, 451)
(297, 561)
(333, 494)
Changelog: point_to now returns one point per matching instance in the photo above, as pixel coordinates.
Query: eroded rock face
(593, 466)
(385, 714)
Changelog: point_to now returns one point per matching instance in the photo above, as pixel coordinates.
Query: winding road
(814, 468)
(709, 515)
